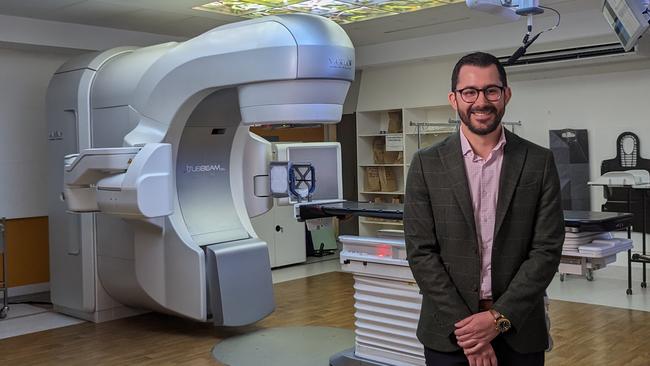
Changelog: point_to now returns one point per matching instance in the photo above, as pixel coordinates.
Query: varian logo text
(340, 63)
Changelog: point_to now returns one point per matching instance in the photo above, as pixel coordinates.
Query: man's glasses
(492, 93)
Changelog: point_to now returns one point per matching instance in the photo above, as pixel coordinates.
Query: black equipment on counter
(628, 157)
(596, 221)
(342, 209)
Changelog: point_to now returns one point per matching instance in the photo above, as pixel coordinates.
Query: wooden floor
(584, 334)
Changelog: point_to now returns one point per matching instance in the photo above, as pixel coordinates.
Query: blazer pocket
(528, 183)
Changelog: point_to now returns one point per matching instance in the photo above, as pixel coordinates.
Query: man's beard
(483, 129)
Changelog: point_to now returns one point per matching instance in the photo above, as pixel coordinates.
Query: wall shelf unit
(386, 143)
(379, 134)
(364, 165)
(388, 223)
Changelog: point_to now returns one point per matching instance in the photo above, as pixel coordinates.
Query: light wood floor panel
(584, 334)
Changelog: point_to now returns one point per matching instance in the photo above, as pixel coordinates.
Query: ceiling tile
(179, 6)
(143, 20)
(33, 8)
(89, 12)
(194, 26)
(176, 17)
(37, 4)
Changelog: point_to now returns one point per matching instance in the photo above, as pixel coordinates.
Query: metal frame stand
(636, 257)
(642, 257)
(629, 252)
(3, 280)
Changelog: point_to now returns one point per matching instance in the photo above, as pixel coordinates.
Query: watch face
(503, 325)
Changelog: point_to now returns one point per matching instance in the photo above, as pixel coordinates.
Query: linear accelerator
(150, 148)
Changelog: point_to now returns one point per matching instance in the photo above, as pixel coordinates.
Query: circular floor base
(294, 346)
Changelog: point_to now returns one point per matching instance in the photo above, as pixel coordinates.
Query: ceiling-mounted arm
(512, 10)
(529, 11)
(506, 7)
(527, 7)
(502, 8)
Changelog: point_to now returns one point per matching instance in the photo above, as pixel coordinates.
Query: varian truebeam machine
(162, 168)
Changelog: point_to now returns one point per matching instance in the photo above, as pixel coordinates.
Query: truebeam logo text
(204, 168)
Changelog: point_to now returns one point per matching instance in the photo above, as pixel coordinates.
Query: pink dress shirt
(483, 178)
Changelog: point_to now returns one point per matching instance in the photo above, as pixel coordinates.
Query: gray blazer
(443, 249)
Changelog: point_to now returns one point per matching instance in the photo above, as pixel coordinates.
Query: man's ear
(507, 94)
(452, 100)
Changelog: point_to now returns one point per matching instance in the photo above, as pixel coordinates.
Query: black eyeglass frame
(478, 91)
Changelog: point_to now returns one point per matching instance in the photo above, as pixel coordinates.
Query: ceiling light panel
(340, 11)
(321, 7)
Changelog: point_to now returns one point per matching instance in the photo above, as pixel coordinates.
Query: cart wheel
(562, 276)
(644, 285)
(590, 275)
(3, 312)
(628, 291)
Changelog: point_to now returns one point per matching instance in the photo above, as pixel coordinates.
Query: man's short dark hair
(480, 59)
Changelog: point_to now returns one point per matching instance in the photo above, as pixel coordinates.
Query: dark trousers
(506, 356)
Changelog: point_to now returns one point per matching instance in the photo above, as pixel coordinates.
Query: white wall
(351, 99)
(415, 84)
(24, 77)
(605, 104)
(30, 52)
(605, 99)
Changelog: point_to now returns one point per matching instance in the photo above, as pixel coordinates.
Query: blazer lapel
(514, 155)
(452, 160)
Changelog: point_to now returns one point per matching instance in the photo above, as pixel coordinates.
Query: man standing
(484, 230)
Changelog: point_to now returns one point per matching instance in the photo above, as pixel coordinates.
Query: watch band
(495, 314)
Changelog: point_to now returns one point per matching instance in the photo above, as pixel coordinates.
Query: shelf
(392, 223)
(379, 134)
(369, 123)
(442, 132)
(368, 165)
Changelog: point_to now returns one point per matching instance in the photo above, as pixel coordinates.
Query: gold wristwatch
(501, 323)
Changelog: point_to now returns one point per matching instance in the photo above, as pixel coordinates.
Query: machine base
(229, 290)
(348, 358)
(106, 315)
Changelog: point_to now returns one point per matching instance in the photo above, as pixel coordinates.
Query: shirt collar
(466, 148)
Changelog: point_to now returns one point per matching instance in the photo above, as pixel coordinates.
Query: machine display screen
(626, 19)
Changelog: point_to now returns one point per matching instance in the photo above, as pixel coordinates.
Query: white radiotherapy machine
(150, 148)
